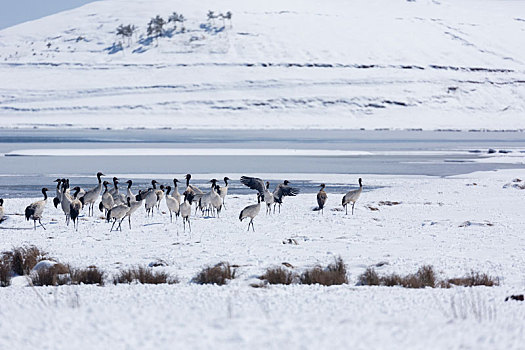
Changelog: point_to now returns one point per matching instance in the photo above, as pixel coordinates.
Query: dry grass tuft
(51, 276)
(425, 277)
(5, 271)
(218, 274)
(475, 279)
(369, 278)
(279, 275)
(144, 275)
(90, 275)
(333, 274)
(23, 259)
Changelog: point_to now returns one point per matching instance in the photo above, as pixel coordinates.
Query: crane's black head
(45, 189)
(360, 183)
(58, 180)
(213, 181)
(99, 174)
(168, 189)
(188, 176)
(322, 186)
(129, 182)
(76, 189)
(175, 181)
(154, 182)
(161, 187)
(226, 179)
(286, 182)
(105, 183)
(115, 178)
(1, 202)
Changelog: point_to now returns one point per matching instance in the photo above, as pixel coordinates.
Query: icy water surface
(392, 152)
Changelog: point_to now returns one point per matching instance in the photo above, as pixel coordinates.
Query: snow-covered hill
(277, 64)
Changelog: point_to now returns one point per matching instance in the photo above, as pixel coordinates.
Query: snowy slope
(281, 64)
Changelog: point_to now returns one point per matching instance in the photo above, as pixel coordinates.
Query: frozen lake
(161, 153)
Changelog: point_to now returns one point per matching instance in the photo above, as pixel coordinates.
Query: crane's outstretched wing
(283, 191)
(254, 183)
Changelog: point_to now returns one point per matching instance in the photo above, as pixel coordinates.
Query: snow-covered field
(456, 224)
(278, 65)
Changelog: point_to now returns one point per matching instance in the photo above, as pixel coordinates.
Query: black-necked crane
(196, 191)
(91, 196)
(175, 194)
(352, 197)
(65, 200)
(36, 210)
(135, 203)
(283, 190)
(107, 201)
(150, 198)
(207, 200)
(160, 195)
(185, 208)
(257, 184)
(223, 191)
(1, 209)
(75, 207)
(118, 198)
(130, 194)
(251, 211)
(56, 200)
(216, 200)
(172, 203)
(268, 198)
(321, 198)
(118, 213)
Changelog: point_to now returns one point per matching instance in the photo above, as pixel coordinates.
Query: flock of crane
(118, 206)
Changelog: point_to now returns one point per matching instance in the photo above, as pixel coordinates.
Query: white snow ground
(282, 64)
(456, 224)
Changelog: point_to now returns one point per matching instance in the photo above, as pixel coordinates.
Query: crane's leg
(129, 220)
(184, 223)
(171, 217)
(114, 221)
(34, 222)
(353, 208)
(120, 224)
(346, 207)
(189, 225)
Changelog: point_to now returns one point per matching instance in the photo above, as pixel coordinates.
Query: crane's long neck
(45, 194)
(99, 179)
